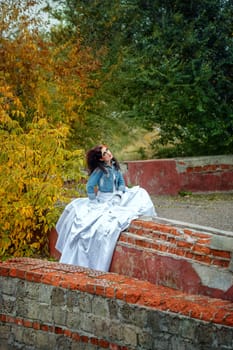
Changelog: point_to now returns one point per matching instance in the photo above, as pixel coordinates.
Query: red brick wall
(181, 257)
(169, 176)
(29, 285)
(186, 258)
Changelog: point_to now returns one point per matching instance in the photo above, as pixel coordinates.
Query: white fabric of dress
(88, 230)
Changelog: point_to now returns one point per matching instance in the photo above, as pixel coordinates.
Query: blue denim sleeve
(121, 182)
(92, 183)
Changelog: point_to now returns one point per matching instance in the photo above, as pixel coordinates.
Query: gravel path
(213, 210)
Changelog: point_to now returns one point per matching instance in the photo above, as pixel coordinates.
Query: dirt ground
(212, 210)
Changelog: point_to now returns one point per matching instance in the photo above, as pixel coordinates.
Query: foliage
(193, 102)
(102, 122)
(32, 175)
(50, 78)
(43, 89)
(168, 64)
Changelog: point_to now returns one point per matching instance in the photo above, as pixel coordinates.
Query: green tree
(168, 64)
(99, 25)
(191, 76)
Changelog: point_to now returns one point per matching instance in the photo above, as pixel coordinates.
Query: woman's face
(106, 154)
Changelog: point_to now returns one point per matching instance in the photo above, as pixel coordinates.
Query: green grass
(134, 144)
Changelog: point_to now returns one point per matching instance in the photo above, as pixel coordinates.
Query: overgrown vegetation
(169, 64)
(42, 89)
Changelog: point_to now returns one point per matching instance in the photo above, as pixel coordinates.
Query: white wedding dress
(88, 230)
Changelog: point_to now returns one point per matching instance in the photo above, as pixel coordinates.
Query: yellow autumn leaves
(43, 88)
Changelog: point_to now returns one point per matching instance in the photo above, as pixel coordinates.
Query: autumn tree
(43, 88)
(97, 22)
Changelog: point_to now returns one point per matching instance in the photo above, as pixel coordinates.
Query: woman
(105, 174)
(88, 228)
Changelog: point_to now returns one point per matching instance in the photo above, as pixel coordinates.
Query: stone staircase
(190, 258)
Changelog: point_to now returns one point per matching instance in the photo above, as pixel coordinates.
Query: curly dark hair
(93, 159)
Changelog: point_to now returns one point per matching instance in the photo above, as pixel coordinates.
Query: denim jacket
(105, 181)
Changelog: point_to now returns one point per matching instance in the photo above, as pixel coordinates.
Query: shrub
(33, 167)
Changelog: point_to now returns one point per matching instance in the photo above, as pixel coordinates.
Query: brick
(58, 330)
(155, 246)
(221, 316)
(226, 167)
(163, 248)
(44, 328)
(132, 295)
(132, 229)
(204, 241)
(90, 288)
(120, 293)
(201, 249)
(200, 257)
(220, 263)
(142, 243)
(196, 234)
(36, 325)
(104, 344)
(13, 272)
(100, 289)
(110, 292)
(19, 321)
(123, 238)
(94, 341)
(189, 255)
(206, 259)
(5, 271)
(84, 339)
(163, 237)
(76, 336)
(131, 240)
(184, 244)
(171, 239)
(3, 318)
(33, 276)
(27, 324)
(221, 254)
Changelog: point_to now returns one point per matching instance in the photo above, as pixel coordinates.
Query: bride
(89, 227)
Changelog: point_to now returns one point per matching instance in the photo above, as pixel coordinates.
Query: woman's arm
(121, 182)
(92, 183)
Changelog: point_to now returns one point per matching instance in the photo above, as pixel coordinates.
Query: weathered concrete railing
(170, 176)
(47, 305)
